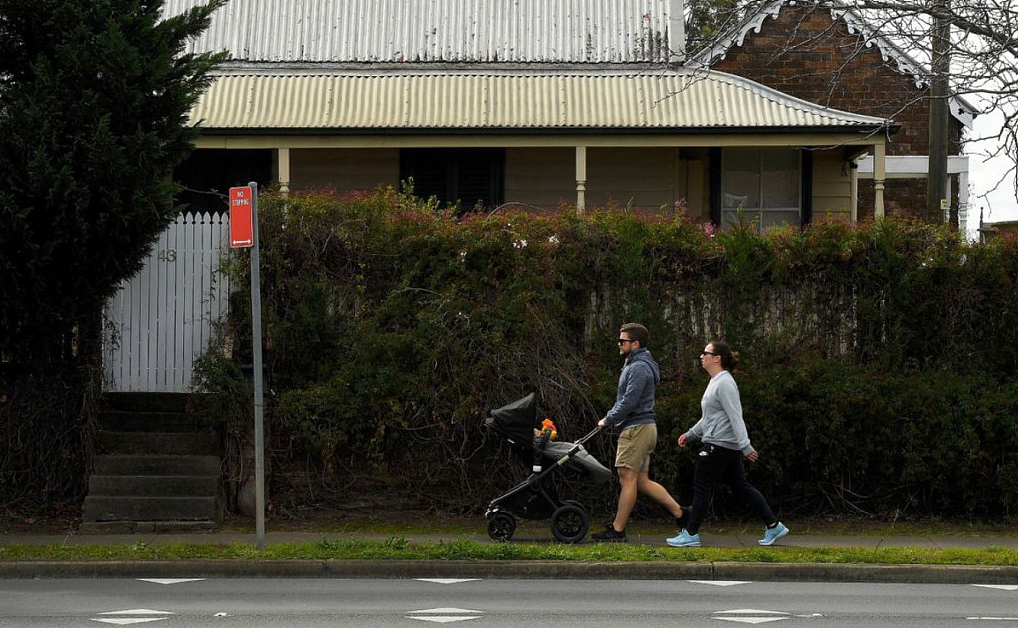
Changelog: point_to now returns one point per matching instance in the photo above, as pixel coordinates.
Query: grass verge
(398, 548)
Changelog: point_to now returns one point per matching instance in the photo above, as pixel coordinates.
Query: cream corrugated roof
(497, 100)
(570, 31)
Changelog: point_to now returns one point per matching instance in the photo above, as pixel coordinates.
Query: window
(207, 175)
(763, 182)
(471, 177)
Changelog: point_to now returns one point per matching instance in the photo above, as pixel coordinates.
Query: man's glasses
(624, 340)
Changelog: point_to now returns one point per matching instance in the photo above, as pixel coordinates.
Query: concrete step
(158, 470)
(153, 485)
(146, 527)
(148, 401)
(107, 508)
(156, 464)
(134, 421)
(178, 443)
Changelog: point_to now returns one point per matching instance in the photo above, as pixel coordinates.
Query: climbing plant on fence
(877, 368)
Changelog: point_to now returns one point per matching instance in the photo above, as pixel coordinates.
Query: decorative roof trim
(961, 109)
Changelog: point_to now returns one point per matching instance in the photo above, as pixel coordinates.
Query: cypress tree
(94, 99)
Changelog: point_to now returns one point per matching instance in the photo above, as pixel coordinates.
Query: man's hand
(683, 440)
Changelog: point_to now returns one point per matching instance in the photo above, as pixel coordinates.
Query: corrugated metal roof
(521, 31)
(480, 101)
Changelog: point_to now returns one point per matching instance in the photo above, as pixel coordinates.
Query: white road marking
(750, 616)
(147, 616)
(170, 580)
(1003, 587)
(720, 583)
(994, 618)
(447, 580)
(444, 615)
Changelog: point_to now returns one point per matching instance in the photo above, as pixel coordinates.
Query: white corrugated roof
(521, 31)
(498, 100)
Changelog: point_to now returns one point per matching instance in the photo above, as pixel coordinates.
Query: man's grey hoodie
(634, 401)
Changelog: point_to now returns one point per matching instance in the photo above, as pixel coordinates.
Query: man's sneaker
(610, 535)
(773, 534)
(684, 539)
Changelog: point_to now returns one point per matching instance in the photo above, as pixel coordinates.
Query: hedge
(877, 359)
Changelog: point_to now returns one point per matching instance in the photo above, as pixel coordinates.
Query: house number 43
(167, 255)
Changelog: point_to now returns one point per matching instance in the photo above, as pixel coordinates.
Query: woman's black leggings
(716, 463)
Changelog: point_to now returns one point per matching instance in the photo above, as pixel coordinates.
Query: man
(633, 417)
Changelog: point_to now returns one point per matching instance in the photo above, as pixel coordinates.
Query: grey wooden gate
(163, 317)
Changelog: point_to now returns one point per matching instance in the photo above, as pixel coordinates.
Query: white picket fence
(163, 317)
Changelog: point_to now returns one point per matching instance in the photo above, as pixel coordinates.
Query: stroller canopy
(515, 421)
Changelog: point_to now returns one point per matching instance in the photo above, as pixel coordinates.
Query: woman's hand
(683, 440)
(752, 456)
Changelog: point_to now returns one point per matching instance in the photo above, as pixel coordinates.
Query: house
(831, 56)
(533, 102)
(992, 230)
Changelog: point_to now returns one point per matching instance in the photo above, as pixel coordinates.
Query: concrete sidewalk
(676, 568)
(532, 534)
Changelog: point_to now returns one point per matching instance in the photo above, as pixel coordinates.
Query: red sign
(241, 225)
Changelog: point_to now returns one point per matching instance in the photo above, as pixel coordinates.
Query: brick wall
(804, 53)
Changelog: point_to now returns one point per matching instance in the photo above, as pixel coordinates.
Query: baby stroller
(535, 497)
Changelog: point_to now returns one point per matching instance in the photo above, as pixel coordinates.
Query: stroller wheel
(501, 526)
(570, 522)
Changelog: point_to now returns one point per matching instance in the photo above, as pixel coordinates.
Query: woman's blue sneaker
(773, 534)
(684, 539)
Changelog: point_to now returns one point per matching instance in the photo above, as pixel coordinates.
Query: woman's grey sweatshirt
(721, 423)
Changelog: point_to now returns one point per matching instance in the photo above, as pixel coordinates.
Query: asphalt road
(393, 603)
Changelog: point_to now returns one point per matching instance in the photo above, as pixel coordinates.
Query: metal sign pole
(256, 342)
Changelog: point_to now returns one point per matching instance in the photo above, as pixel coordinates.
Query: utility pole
(937, 202)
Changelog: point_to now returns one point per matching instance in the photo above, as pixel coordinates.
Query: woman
(724, 441)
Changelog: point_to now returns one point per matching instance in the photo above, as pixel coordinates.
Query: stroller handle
(591, 434)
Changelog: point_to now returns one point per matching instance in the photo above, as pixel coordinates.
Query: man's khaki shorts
(635, 446)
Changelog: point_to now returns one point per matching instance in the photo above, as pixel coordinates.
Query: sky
(1001, 203)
